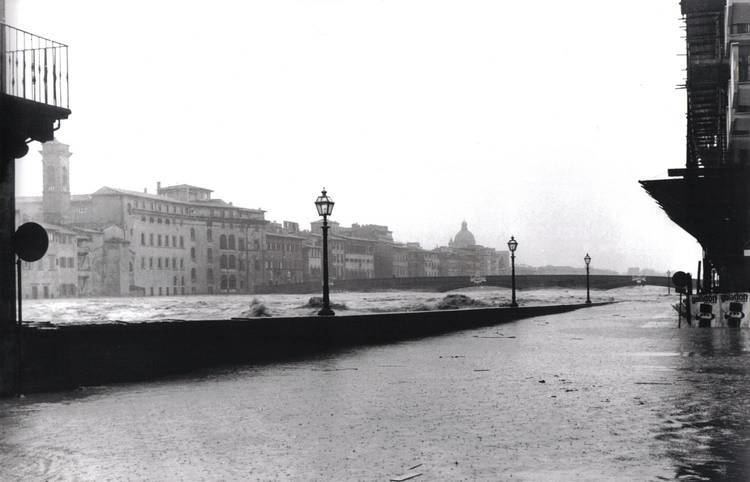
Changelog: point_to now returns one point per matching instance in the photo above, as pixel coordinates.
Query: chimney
(158, 187)
(145, 190)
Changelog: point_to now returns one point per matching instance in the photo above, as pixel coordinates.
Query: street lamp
(512, 245)
(324, 205)
(587, 260)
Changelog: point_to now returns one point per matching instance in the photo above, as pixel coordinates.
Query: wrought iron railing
(33, 67)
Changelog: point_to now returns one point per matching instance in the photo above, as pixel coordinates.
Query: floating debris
(317, 302)
(456, 301)
(257, 309)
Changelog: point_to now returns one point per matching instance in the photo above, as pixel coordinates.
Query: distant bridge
(449, 283)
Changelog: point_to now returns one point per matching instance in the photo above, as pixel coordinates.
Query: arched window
(232, 262)
(231, 241)
(210, 275)
(209, 235)
(232, 283)
(143, 239)
(131, 266)
(193, 275)
(192, 254)
(192, 234)
(223, 261)
(223, 241)
(223, 282)
(242, 244)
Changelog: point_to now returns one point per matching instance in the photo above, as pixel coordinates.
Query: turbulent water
(96, 310)
(612, 392)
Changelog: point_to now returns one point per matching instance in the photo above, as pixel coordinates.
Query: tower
(56, 181)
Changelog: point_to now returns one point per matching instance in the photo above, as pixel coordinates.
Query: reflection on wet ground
(612, 392)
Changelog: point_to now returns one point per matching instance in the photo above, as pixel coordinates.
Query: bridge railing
(33, 67)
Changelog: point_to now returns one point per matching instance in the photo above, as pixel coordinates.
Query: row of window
(186, 210)
(226, 283)
(162, 240)
(281, 264)
(166, 291)
(161, 263)
(53, 262)
(287, 247)
(153, 220)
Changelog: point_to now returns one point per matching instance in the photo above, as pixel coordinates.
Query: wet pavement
(611, 392)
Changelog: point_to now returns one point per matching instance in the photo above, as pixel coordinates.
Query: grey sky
(528, 118)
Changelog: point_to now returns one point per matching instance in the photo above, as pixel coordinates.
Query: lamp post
(587, 260)
(324, 205)
(512, 245)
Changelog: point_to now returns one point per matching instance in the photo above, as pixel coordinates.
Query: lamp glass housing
(324, 204)
(512, 244)
(587, 259)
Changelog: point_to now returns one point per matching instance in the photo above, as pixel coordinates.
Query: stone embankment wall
(448, 283)
(65, 357)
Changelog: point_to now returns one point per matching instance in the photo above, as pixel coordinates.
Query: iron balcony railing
(33, 67)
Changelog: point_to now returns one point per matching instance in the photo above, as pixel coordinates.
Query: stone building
(283, 258)
(56, 274)
(178, 241)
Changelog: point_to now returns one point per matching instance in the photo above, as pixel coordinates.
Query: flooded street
(610, 392)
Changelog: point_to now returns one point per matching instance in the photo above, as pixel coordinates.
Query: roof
(111, 191)
(38, 199)
(184, 186)
(284, 235)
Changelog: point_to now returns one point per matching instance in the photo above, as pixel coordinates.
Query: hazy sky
(532, 119)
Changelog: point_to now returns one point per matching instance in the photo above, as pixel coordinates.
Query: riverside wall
(449, 283)
(65, 357)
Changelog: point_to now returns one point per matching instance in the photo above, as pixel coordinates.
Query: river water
(612, 392)
(165, 308)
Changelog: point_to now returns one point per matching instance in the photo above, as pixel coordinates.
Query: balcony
(34, 68)
(34, 89)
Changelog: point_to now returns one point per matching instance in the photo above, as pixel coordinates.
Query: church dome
(463, 238)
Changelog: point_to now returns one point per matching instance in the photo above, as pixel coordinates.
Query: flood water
(609, 392)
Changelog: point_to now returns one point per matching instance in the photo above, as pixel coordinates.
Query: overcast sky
(532, 119)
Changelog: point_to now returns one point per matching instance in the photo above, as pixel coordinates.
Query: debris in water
(456, 301)
(257, 309)
(317, 302)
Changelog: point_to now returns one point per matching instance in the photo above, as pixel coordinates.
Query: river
(613, 392)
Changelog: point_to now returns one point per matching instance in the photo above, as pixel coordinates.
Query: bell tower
(56, 182)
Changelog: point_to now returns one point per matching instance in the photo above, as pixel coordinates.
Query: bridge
(449, 283)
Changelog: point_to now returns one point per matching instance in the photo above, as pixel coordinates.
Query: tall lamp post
(324, 205)
(512, 245)
(587, 260)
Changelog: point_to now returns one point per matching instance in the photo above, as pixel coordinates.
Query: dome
(463, 238)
